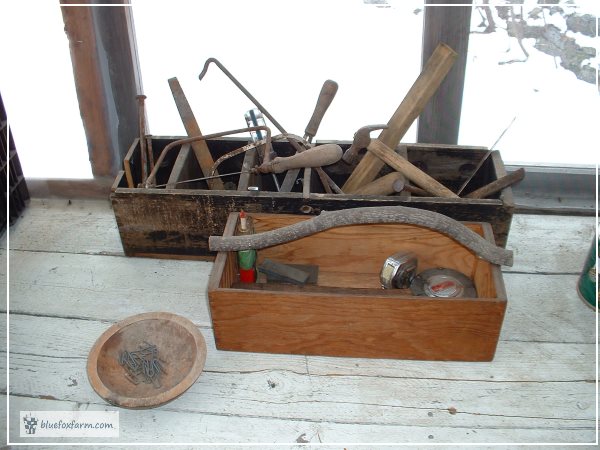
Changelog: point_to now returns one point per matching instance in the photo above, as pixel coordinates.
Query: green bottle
(246, 258)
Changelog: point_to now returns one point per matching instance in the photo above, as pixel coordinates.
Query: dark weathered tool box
(347, 313)
(177, 221)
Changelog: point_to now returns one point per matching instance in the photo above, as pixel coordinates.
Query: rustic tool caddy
(176, 221)
(183, 199)
(347, 313)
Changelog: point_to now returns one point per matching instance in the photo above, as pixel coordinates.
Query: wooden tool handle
(498, 185)
(386, 185)
(326, 95)
(422, 90)
(321, 155)
(413, 173)
(200, 148)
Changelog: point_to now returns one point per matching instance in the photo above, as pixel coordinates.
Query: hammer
(391, 158)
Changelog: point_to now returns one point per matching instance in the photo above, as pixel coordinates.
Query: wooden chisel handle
(326, 95)
(498, 185)
(413, 173)
(321, 155)
(385, 185)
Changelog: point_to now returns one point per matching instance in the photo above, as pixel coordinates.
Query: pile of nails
(142, 366)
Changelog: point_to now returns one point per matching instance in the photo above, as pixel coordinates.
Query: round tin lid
(444, 283)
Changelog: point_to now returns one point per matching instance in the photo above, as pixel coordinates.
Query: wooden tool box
(175, 222)
(347, 313)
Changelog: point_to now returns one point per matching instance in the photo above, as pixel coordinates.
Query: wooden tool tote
(347, 313)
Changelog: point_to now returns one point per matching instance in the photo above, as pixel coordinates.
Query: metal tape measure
(398, 270)
(444, 283)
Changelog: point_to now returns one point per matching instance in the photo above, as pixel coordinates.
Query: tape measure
(446, 283)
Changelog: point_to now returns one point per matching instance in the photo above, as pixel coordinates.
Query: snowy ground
(556, 114)
(283, 51)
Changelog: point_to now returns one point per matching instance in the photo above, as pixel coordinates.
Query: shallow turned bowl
(181, 351)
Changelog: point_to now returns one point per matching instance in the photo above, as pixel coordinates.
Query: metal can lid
(444, 283)
(443, 286)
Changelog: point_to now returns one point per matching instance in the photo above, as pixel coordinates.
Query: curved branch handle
(372, 215)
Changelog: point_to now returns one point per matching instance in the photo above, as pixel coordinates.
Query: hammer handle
(326, 95)
(321, 155)
(385, 185)
(413, 173)
(414, 102)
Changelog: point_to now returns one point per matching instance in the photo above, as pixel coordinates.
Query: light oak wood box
(348, 314)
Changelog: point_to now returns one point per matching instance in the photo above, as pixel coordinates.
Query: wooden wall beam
(440, 121)
(107, 78)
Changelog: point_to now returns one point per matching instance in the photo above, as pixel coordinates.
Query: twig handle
(371, 215)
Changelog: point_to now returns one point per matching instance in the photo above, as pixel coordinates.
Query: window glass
(535, 63)
(282, 52)
(39, 94)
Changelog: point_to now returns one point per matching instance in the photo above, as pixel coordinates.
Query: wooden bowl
(181, 350)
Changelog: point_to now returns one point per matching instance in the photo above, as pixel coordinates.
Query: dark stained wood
(358, 320)
(440, 120)
(106, 73)
(181, 351)
(178, 222)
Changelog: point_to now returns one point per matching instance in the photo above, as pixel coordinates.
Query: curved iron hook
(241, 88)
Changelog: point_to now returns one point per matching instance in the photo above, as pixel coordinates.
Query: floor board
(69, 281)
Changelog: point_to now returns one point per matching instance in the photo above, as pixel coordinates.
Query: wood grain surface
(67, 288)
(358, 321)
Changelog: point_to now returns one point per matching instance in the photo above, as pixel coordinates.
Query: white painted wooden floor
(69, 281)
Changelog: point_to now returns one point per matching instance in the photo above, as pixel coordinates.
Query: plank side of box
(359, 326)
(176, 222)
(349, 316)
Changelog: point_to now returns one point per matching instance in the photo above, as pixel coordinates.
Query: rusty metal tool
(200, 148)
(254, 118)
(397, 162)
(361, 140)
(239, 85)
(414, 102)
(290, 178)
(150, 182)
(262, 142)
(241, 88)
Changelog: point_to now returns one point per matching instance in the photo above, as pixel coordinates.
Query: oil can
(587, 286)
